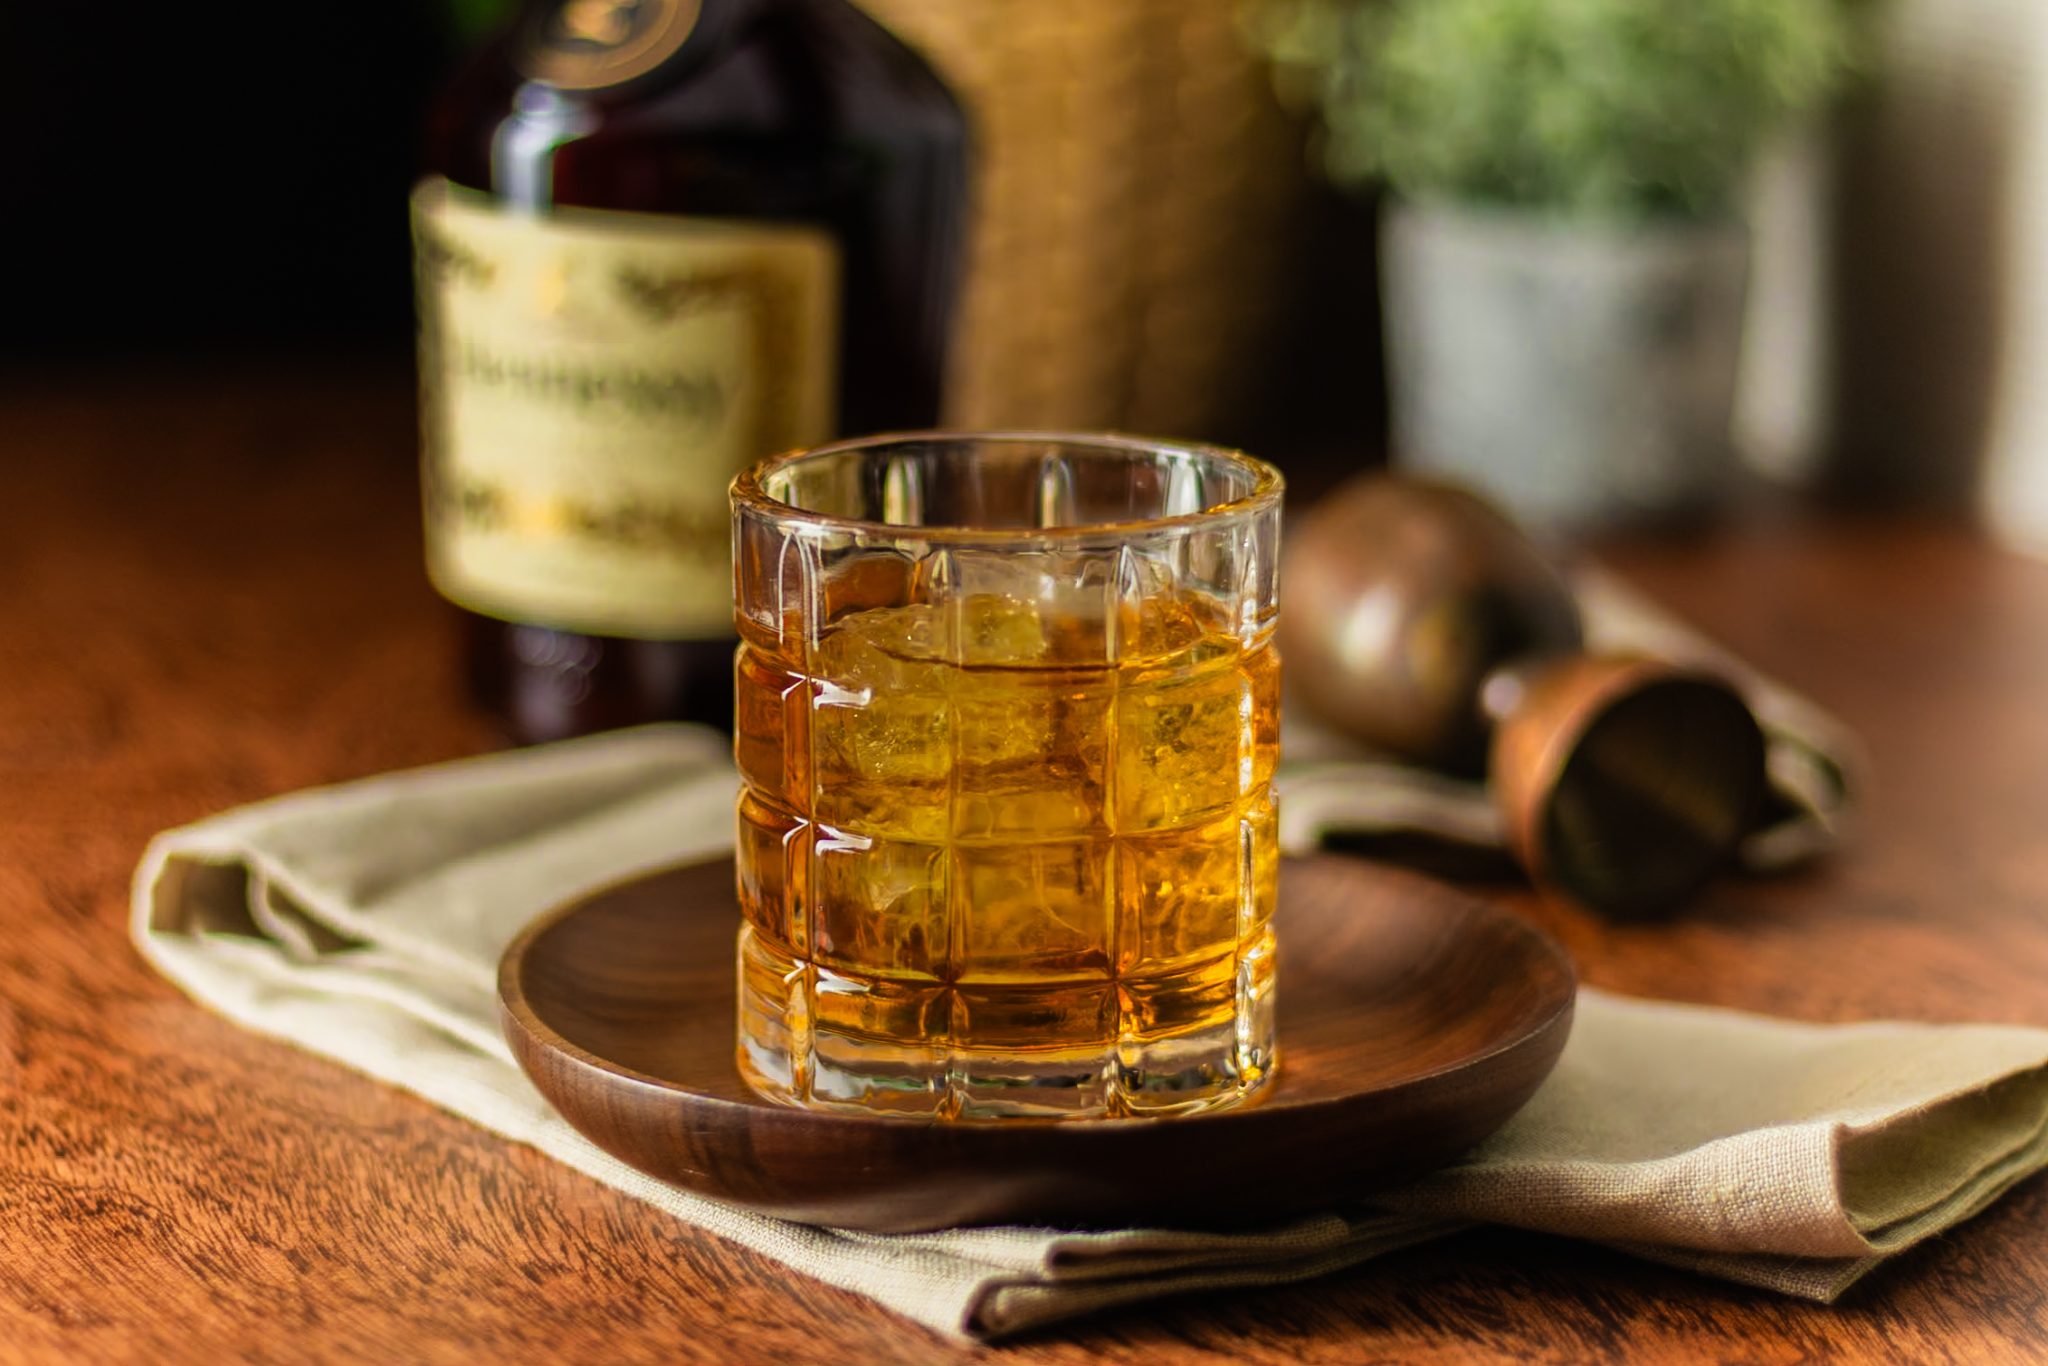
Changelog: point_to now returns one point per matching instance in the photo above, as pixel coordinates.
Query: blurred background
(1183, 221)
(1150, 232)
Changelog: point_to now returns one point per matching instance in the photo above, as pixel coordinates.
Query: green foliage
(1591, 107)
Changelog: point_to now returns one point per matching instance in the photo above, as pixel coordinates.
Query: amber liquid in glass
(978, 884)
(802, 112)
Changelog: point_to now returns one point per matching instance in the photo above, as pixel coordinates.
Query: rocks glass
(1008, 713)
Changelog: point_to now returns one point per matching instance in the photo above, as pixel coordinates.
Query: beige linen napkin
(364, 922)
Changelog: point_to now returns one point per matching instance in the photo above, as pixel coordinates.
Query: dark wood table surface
(210, 592)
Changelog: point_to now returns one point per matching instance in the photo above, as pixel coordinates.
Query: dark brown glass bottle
(659, 239)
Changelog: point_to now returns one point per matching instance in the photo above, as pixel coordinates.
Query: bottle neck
(580, 55)
(591, 48)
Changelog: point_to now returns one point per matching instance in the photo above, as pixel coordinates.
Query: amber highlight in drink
(1008, 713)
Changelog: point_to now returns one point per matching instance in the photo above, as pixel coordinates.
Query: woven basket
(1135, 186)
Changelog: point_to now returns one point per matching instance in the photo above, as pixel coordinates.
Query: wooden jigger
(1623, 782)
(1418, 619)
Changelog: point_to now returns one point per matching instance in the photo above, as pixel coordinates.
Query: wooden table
(212, 593)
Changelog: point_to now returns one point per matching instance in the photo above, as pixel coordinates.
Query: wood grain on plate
(210, 592)
(1414, 1019)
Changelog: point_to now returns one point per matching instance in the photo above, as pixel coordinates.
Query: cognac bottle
(658, 240)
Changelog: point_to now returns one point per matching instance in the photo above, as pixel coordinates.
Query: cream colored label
(590, 382)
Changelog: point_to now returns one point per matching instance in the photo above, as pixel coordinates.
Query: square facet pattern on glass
(1007, 720)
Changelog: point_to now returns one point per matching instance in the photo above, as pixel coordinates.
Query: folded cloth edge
(994, 1304)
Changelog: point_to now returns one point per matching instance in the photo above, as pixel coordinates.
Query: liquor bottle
(658, 240)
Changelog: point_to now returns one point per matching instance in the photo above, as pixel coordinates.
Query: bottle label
(590, 383)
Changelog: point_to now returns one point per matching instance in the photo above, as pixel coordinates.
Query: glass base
(819, 1039)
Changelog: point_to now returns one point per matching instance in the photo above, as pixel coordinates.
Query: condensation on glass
(1008, 714)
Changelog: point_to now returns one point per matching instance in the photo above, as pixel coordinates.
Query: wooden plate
(1413, 1021)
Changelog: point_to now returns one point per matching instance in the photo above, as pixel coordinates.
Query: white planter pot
(1579, 374)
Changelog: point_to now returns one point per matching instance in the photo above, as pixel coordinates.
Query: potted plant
(1563, 256)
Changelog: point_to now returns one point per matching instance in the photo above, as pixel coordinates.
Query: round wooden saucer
(1414, 1020)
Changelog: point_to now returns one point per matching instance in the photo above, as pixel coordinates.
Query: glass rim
(748, 494)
